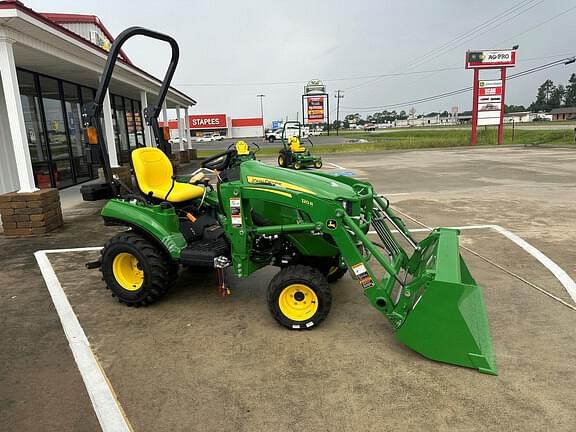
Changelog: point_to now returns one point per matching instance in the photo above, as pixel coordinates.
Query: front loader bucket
(448, 322)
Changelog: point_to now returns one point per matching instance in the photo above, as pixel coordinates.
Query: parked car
(369, 127)
(273, 135)
(276, 134)
(206, 137)
(217, 137)
(176, 140)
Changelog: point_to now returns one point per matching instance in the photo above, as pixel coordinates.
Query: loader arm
(428, 296)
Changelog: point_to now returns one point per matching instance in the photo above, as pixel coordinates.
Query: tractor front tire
(297, 165)
(299, 297)
(318, 164)
(335, 273)
(281, 161)
(135, 270)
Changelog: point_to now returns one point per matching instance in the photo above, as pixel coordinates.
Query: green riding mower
(293, 154)
(313, 226)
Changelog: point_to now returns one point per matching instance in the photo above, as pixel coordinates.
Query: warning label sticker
(362, 275)
(235, 212)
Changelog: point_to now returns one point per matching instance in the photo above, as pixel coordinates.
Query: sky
(233, 50)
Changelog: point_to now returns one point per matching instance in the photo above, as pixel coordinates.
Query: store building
(49, 68)
(222, 124)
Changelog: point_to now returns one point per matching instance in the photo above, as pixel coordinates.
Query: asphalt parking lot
(225, 143)
(196, 361)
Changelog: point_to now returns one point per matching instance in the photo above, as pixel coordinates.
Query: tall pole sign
(315, 109)
(488, 95)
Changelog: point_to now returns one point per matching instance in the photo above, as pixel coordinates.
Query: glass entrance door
(61, 163)
(73, 108)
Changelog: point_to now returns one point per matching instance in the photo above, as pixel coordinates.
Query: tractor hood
(328, 187)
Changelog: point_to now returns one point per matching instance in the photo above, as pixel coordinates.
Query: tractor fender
(159, 225)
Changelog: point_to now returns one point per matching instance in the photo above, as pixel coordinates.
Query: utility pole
(339, 95)
(262, 96)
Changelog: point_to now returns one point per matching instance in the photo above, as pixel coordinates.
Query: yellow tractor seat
(153, 171)
(242, 148)
(295, 147)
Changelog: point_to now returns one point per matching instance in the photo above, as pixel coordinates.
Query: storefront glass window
(76, 131)
(120, 134)
(87, 95)
(57, 139)
(34, 132)
(139, 125)
(131, 126)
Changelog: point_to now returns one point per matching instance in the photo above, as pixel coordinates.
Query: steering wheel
(219, 162)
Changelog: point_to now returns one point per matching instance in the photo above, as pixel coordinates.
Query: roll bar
(91, 112)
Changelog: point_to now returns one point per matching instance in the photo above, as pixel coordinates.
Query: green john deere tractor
(293, 154)
(313, 226)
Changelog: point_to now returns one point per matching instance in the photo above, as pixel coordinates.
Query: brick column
(31, 213)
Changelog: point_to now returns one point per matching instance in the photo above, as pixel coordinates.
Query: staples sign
(207, 121)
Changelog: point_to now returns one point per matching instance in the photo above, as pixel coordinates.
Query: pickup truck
(276, 134)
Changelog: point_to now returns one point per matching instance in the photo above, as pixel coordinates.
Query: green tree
(542, 102)
(514, 108)
(570, 95)
(557, 96)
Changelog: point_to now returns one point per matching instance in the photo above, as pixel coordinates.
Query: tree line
(548, 97)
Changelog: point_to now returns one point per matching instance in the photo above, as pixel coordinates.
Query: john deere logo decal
(331, 224)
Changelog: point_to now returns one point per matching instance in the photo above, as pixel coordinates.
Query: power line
(539, 25)
(449, 46)
(463, 90)
(377, 77)
(487, 27)
(383, 75)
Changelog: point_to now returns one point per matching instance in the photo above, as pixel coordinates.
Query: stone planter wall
(31, 214)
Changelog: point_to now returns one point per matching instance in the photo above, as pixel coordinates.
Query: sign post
(315, 108)
(488, 95)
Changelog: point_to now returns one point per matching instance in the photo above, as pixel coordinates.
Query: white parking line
(336, 166)
(106, 406)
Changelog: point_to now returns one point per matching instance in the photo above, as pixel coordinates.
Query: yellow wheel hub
(127, 271)
(298, 302)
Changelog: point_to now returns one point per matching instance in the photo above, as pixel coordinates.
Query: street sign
(314, 86)
(488, 98)
(490, 84)
(490, 91)
(489, 121)
(489, 107)
(486, 59)
(315, 109)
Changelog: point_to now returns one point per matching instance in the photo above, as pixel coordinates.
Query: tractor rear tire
(299, 297)
(135, 270)
(281, 161)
